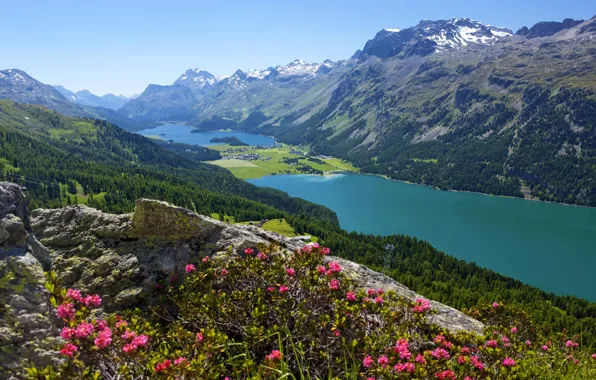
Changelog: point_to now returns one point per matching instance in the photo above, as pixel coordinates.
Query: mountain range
(86, 98)
(456, 104)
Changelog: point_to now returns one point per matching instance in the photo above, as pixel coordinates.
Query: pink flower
(337, 333)
(69, 349)
(492, 343)
(224, 272)
(205, 259)
(594, 356)
(325, 250)
(248, 251)
(93, 300)
(528, 343)
(402, 348)
(420, 359)
(321, 269)
(508, 362)
(180, 360)
(383, 361)
(465, 350)
(271, 289)
(290, 272)
(74, 294)
(371, 292)
(67, 333)
(200, 337)
(283, 289)
(514, 330)
(445, 375)
(121, 323)
(141, 340)
(462, 360)
(505, 339)
(405, 367)
(66, 311)
(129, 335)
(83, 330)
(571, 344)
(160, 367)
(350, 296)
(104, 338)
(334, 267)
(129, 347)
(368, 362)
(477, 363)
(440, 353)
(495, 305)
(306, 249)
(274, 355)
(101, 325)
(262, 256)
(334, 284)
(379, 300)
(422, 305)
(315, 245)
(544, 348)
(365, 299)
(190, 268)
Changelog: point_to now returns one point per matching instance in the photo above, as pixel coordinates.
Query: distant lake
(550, 246)
(181, 133)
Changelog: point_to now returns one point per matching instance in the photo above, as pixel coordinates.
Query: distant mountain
(547, 28)
(162, 103)
(86, 98)
(198, 93)
(199, 81)
(18, 86)
(432, 36)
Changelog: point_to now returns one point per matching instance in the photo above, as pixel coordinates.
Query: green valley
(254, 162)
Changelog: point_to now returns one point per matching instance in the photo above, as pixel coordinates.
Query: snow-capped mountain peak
(197, 78)
(433, 37)
(460, 32)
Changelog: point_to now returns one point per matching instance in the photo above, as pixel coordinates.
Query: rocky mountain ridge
(123, 258)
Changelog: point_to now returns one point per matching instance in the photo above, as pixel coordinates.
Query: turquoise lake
(550, 246)
(181, 133)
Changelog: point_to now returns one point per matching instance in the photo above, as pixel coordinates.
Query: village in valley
(260, 160)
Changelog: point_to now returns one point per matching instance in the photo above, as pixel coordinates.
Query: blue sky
(121, 46)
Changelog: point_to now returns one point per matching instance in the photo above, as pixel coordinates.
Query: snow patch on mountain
(393, 30)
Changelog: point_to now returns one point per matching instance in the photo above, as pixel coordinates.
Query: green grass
(7, 166)
(280, 226)
(155, 137)
(428, 160)
(275, 165)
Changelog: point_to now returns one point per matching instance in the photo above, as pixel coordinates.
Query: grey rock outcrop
(123, 257)
(27, 336)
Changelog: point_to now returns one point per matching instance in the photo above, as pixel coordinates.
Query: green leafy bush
(271, 314)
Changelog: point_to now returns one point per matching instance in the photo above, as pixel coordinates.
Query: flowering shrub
(269, 315)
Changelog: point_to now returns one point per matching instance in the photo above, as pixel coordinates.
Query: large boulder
(124, 257)
(27, 336)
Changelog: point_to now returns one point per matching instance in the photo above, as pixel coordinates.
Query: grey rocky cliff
(123, 257)
(27, 335)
